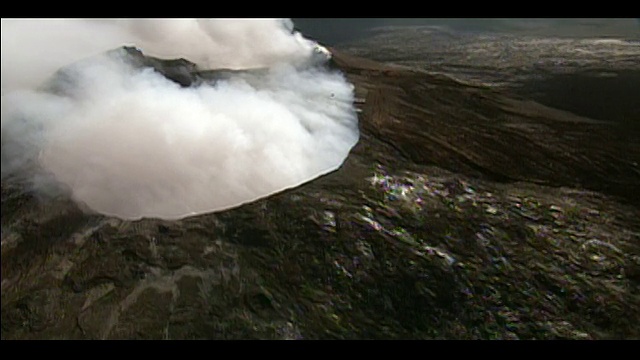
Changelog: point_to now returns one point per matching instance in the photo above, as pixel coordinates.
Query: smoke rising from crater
(131, 143)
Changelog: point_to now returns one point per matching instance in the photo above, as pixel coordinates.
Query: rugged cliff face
(461, 213)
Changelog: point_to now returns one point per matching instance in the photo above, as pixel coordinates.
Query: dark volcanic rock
(180, 71)
(461, 213)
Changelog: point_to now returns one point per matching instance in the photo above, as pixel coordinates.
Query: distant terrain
(338, 31)
(591, 76)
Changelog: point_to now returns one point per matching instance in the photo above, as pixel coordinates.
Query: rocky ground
(462, 213)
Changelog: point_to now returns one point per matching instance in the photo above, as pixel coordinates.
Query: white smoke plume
(131, 143)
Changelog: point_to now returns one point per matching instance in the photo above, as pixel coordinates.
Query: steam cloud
(131, 143)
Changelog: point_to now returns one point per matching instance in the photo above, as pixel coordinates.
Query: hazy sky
(333, 31)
